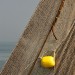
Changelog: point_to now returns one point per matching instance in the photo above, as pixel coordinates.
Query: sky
(14, 16)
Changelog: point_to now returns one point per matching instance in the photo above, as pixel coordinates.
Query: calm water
(5, 51)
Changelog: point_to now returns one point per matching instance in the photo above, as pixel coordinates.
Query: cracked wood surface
(33, 39)
(38, 40)
(65, 55)
(62, 28)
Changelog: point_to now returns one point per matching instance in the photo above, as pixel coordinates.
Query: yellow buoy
(48, 61)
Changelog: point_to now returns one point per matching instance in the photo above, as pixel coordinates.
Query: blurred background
(14, 16)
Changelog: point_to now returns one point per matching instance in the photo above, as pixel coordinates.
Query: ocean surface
(6, 49)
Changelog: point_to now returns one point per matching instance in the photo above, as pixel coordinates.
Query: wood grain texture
(61, 29)
(64, 54)
(65, 19)
(38, 40)
(32, 40)
(47, 50)
(66, 51)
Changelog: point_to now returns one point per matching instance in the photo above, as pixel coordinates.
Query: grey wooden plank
(33, 36)
(47, 50)
(65, 19)
(66, 50)
(65, 55)
(32, 39)
(61, 29)
(38, 70)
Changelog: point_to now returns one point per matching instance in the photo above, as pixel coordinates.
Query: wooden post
(52, 19)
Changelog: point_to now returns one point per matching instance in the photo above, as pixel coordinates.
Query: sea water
(6, 49)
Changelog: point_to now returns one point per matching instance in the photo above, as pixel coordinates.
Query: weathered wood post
(50, 29)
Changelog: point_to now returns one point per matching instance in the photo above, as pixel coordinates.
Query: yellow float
(48, 61)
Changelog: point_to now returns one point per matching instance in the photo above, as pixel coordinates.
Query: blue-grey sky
(14, 16)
